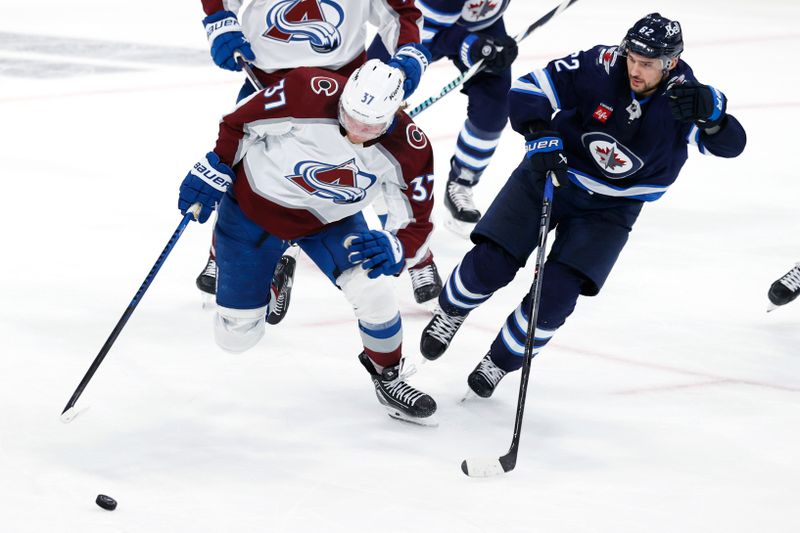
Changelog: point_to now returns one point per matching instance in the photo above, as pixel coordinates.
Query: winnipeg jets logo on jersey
(615, 160)
(344, 183)
(314, 21)
(476, 11)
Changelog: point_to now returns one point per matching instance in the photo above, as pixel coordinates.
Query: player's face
(644, 73)
(358, 132)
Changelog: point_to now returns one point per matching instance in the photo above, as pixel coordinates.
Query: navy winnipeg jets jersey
(616, 144)
(472, 15)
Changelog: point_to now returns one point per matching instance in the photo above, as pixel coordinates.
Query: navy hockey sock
(561, 286)
(484, 269)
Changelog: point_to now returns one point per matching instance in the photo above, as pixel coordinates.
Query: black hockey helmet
(654, 36)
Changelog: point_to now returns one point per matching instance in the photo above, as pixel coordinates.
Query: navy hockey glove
(412, 59)
(694, 102)
(497, 53)
(545, 153)
(205, 183)
(225, 36)
(378, 251)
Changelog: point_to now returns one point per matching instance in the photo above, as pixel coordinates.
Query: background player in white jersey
(305, 156)
(277, 36)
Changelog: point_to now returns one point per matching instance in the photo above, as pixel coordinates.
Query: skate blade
(428, 421)
(469, 395)
(208, 302)
(462, 229)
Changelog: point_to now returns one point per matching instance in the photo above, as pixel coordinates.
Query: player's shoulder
(318, 81)
(408, 143)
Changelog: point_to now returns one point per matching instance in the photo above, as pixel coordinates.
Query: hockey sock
(561, 286)
(383, 342)
(484, 269)
(474, 150)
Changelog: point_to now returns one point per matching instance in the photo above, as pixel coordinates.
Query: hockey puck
(106, 502)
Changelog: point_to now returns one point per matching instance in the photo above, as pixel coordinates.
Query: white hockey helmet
(371, 98)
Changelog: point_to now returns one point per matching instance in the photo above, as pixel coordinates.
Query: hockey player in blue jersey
(622, 118)
(467, 31)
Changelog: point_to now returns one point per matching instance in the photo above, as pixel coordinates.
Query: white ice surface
(669, 403)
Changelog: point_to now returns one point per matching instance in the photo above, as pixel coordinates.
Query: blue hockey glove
(412, 59)
(497, 52)
(378, 251)
(694, 102)
(205, 183)
(545, 153)
(225, 36)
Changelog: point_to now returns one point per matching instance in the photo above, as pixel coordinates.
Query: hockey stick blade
(70, 414)
(481, 467)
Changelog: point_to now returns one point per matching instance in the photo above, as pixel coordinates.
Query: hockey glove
(205, 183)
(412, 59)
(497, 53)
(694, 102)
(378, 251)
(545, 153)
(225, 36)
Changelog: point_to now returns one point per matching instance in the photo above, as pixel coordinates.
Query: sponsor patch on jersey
(479, 10)
(316, 22)
(613, 159)
(343, 183)
(603, 113)
(416, 138)
(324, 85)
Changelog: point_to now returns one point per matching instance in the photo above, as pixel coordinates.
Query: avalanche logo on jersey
(614, 159)
(482, 10)
(344, 183)
(314, 21)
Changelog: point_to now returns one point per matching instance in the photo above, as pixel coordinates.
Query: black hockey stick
(477, 67)
(482, 467)
(70, 411)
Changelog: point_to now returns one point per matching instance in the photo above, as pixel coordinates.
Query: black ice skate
(785, 289)
(207, 280)
(401, 400)
(426, 282)
(438, 333)
(281, 289)
(483, 380)
(464, 215)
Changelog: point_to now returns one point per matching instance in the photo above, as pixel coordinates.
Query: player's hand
(497, 53)
(378, 251)
(205, 184)
(412, 59)
(225, 37)
(545, 153)
(695, 102)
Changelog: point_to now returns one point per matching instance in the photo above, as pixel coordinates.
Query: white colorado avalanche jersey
(319, 33)
(296, 172)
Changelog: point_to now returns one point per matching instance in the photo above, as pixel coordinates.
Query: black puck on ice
(106, 502)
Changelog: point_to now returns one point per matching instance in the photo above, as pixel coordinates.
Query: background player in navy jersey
(303, 158)
(467, 31)
(277, 36)
(624, 117)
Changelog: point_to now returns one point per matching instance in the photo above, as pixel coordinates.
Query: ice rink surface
(669, 403)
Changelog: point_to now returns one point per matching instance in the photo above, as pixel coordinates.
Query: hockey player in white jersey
(277, 36)
(298, 162)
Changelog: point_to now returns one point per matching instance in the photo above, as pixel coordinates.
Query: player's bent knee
(238, 330)
(373, 300)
